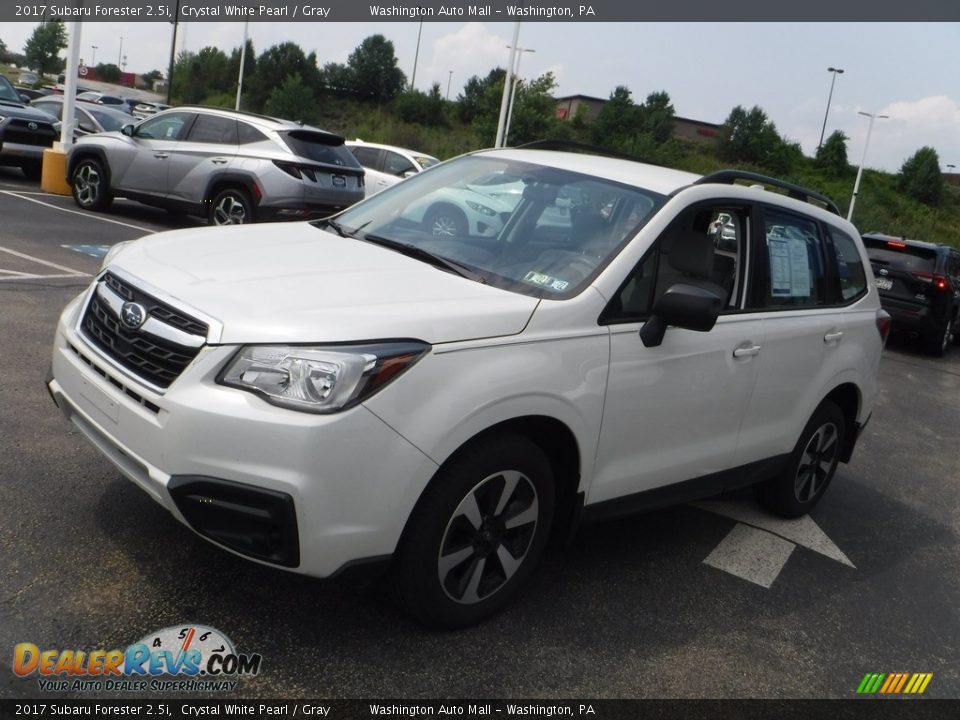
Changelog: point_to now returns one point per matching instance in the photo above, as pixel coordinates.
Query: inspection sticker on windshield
(551, 283)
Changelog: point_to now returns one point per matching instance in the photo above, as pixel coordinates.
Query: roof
(580, 97)
(629, 172)
(358, 142)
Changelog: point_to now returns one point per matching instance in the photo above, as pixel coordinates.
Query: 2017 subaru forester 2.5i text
(367, 390)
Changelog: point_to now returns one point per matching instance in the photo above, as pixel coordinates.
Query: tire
(231, 206)
(33, 171)
(810, 468)
(937, 343)
(956, 331)
(90, 187)
(445, 221)
(477, 533)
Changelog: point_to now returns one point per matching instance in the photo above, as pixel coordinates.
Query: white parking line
(23, 196)
(17, 275)
(752, 554)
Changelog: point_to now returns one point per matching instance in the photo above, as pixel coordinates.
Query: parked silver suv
(231, 167)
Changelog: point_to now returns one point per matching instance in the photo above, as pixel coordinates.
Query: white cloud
(471, 50)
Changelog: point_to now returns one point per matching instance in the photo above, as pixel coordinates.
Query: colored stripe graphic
(894, 683)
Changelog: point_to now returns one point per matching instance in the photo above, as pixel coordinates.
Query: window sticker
(789, 267)
(546, 281)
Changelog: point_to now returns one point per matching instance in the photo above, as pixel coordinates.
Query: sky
(908, 71)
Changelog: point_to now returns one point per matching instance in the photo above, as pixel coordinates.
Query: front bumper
(347, 480)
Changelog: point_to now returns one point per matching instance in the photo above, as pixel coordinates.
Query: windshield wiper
(341, 230)
(419, 253)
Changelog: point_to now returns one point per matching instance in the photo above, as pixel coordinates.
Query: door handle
(219, 161)
(833, 336)
(746, 351)
(161, 155)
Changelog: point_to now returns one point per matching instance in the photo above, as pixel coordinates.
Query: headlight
(482, 209)
(319, 379)
(112, 253)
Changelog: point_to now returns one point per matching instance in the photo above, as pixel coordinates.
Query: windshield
(425, 161)
(528, 228)
(7, 92)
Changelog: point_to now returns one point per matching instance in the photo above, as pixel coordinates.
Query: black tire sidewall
(417, 583)
(778, 495)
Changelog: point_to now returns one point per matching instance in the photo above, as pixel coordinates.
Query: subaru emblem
(133, 315)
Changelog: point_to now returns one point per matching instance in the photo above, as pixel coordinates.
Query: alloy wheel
(230, 210)
(816, 463)
(488, 536)
(86, 185)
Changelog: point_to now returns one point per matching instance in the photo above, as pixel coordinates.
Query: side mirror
(409, 173)
(84, 127)
(25, 99)
(685, 306)
(127, 130)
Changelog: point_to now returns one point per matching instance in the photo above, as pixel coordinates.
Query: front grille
(157, 360)
(19, 131)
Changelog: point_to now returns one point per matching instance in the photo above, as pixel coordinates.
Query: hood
(295, 283)
(25, 112)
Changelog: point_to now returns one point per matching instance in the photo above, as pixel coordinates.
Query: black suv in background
(24, 132)
(919, 284)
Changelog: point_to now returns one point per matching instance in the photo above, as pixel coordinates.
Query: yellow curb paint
(53, 178)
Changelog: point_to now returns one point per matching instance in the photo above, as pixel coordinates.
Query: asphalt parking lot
(669, 604)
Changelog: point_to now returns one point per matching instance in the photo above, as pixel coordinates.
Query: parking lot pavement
(707, 600)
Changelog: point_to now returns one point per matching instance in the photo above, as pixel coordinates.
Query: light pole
(93, 63)
(833, 79)
(866, 144)
(449, 78)
(120, 53)
(243, 61)
(501, 122)
(173, 50)
(513, 91)
(416, 56)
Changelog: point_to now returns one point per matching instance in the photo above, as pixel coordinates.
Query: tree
(275, 65)
(920, 177)
(293, 99)
(618, 121)
(43, 48)
(656, 116)
(108, 72)
(417, 107)
(337, 78)
(375, 72)
(832, 155)
(751, 137)
(534, 111)
(3, 51)
(471, 102)
(151, 77)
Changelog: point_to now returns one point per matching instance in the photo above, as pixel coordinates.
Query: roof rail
(729, 177)
(582, 147)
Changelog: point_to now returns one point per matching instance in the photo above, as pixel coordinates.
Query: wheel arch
(85, 153)
(228, 179)
(847, 397)
(561, 448)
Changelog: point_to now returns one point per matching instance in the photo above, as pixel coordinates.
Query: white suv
(357, 392)
(386, 165)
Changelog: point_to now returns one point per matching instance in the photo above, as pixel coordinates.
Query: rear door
(207, 151)
(372, 161)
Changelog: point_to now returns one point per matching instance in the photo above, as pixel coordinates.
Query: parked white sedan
(387, 165)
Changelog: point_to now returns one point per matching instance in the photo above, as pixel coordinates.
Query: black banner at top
(192, 11)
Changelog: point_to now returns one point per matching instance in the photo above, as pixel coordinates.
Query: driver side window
(705, 246)
(166, 127)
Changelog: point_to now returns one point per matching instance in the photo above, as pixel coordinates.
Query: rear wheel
(477, 534)
(231, 206)
(936, 344)
(91, 189)
(810, 468)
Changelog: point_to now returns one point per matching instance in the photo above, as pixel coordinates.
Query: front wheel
(231, 207)
(91, 189)
(446, 221)
(810, 468)
(477, 533)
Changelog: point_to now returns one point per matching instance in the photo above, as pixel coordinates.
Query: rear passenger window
(397, 164)
(249, 134)
(848, 267)
(214, 130)
(366, 156)
(795, 274)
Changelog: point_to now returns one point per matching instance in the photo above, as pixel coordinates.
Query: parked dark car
(24, 132)
(919, 284)
(91, 118)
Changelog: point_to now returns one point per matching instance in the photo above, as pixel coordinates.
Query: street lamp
(834, 72)
(120, 53)
(449, 78)
(513, 91)
(866, 144)
(416, 56)
(93, 63)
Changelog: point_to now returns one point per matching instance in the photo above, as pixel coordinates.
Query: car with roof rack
(230, 167)
(360, 395)
(919, 285)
